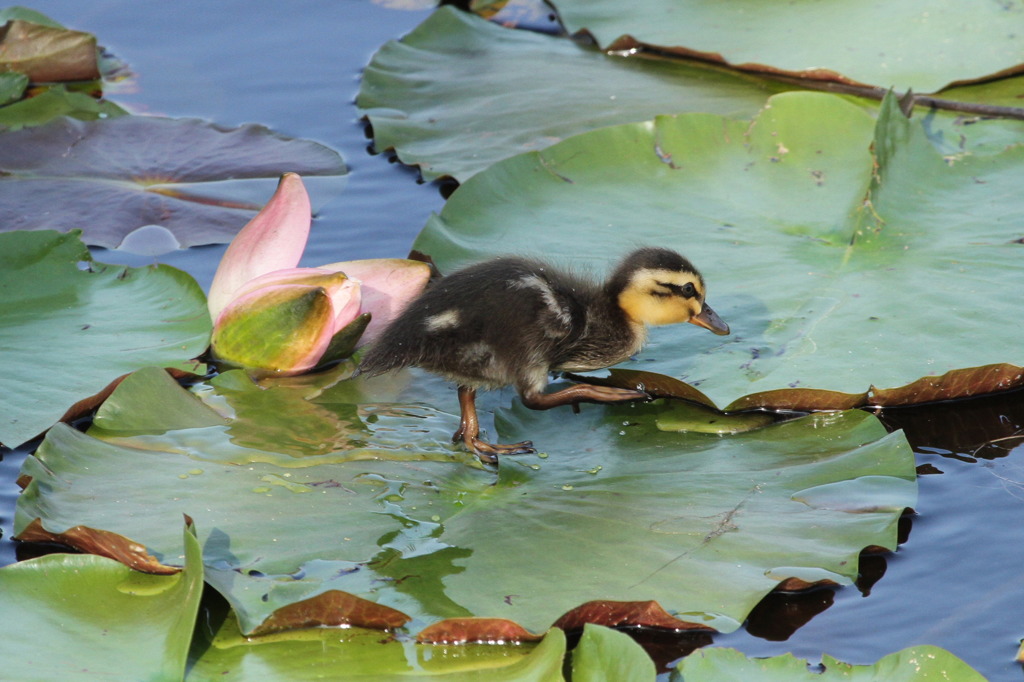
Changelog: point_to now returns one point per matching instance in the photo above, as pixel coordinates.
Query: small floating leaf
(605, 655)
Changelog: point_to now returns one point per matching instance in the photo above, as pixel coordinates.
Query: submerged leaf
(115, 176)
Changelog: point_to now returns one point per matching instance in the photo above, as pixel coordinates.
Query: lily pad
(12, 86)
(909, 44)
(605, 655)
(357, 654)
(81, 617)
(845, 254)
(111, 178)
(356, 511)
(915, 664)
(452, 115)
(26, 14)
(70, 326)
(54, 102)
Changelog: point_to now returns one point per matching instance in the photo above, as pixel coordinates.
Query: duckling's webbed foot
(581, 393)
(469, 429)
(489, 452)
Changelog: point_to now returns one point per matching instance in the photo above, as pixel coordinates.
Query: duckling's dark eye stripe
(686, 291)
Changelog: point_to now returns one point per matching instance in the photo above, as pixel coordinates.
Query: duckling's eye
(686, 291)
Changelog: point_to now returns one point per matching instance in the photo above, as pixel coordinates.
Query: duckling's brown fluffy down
(514, 320)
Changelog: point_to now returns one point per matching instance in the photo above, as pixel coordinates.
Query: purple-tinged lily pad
(112, 178)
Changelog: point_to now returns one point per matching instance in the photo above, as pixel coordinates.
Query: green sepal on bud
(283, 329)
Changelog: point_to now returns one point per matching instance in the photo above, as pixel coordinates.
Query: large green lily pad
(85, 617)
(917, 44)
(844, 253)
(169, 183)
(521, 91)
(915, 664)
(455, 115)
(69, 326)
(358, 511)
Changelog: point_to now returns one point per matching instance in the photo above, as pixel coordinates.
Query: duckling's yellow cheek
(657, 310)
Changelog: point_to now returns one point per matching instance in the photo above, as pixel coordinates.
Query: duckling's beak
(709, 319)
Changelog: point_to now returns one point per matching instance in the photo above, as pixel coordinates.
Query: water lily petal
(348, 302)
(331, 280)
(281, 329)
(388, 284)
(345, 292)
(273, 240)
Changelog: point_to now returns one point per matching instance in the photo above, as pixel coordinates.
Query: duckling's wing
(497, 323)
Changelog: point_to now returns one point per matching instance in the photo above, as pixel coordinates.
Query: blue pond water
(294, 66)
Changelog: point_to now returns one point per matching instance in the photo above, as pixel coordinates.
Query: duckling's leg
(579, 393)
(469, 429)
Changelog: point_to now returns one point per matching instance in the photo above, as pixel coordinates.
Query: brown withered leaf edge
(46, 54)
(612, 614)
(955, 384)
(807, 77)
(486, 630)
(101, 543)
(647, 614)
(332, 608)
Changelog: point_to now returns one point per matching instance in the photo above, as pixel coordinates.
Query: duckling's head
(656, 286)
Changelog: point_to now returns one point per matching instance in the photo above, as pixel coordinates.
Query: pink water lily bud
(388, 284)
(271, 316)
(284, 327)
(273, 240)
(345, 292)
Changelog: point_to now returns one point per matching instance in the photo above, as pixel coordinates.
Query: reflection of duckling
(513, 320)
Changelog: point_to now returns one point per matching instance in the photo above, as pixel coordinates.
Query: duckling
(512, 321)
